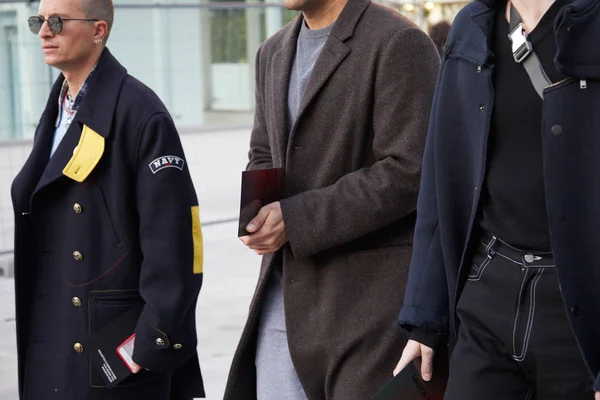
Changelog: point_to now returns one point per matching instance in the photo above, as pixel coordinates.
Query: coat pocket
(105, 307)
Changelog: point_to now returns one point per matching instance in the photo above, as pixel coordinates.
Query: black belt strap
(524, 54)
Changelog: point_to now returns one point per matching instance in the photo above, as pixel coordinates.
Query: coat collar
(348, 19)
(98, 106)
(334, 52)
(96, 111)
(577, 25)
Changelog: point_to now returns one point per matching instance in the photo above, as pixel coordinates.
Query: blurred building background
(198, 56)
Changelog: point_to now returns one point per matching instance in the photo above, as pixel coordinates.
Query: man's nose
(45, 31)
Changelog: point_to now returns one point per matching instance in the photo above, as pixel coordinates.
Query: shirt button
(76, 301)
(77, 256)
(557, 130)
(78, 347)
(77, 208)
(160, 342)
(177, 346)
(482, 108)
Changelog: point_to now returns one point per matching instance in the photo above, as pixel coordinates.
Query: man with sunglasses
(107, 226)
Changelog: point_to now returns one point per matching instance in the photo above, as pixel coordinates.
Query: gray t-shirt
(310, 44)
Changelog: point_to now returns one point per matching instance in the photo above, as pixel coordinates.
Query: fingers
(412, 351)
(265, 238)
(267, 230)
(426, 363)
(256, 240)
(250, 211)
(245, 239)
(257, 245)
(135, 368)
(258, 221)
(597, 397)
(262, 252)
(263, 249)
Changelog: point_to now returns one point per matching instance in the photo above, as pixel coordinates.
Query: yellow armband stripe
(197, 237)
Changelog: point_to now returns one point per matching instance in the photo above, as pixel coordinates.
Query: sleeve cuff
(152, 336)
(424, 336)
(153, 349)
(411, 318)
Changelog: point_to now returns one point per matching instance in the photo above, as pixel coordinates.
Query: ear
(101, 29)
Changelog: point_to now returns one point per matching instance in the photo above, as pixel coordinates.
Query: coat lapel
(96, 111)
(282, 63)
(61, 156)
(332, 55)
(27, 179)
(334, 52)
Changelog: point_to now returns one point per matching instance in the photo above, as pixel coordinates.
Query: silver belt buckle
(521, 46)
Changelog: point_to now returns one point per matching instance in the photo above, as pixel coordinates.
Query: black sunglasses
(55, 23)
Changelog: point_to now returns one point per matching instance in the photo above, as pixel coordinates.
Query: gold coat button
(77, 208)
(78, 347)
(177, 346)
(160, 342)
(77, 256)
(76, 301)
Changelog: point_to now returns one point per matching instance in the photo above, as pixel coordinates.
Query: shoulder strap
(524, 54)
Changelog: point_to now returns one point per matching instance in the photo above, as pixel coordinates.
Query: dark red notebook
(259, 188)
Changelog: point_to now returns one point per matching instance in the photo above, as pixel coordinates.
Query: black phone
(409, 385)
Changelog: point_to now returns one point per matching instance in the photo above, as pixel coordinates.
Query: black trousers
(514, 340)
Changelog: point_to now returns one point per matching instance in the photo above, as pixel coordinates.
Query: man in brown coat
(343, 96)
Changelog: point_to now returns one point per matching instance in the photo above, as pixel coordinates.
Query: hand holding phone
(125, 351)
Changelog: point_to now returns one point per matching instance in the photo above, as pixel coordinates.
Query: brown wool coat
(353, 164)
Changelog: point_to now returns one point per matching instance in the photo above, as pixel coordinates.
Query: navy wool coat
(108, 223)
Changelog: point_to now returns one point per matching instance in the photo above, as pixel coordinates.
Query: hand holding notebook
(409, 385)
(261, 226)
(259, 188)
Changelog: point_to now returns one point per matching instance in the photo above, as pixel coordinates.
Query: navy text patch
(167, 162)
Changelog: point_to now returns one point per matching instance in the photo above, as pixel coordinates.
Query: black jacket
(108, 223)
(454, 168)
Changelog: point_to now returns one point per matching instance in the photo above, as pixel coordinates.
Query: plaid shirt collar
(63, 91)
